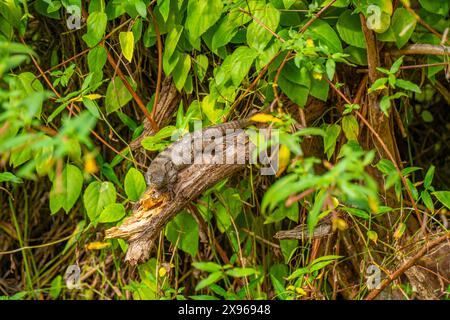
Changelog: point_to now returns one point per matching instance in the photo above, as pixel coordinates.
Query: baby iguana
(163, 171)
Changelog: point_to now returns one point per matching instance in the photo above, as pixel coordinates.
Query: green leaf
(117, 95)
(396, 65)
(316, 210)
(97, 196)
(134, 184)
(357, 212)
(201, 15)
(407, 85)
(332, 133)
(350, 30)
(426, 198)
(443, 197)
(96, 59)
(427, 116)
(201, 66)
(240, 272)
(440, 7)
(385, 105)
(288, 248)
(185, 228)
(351, 127)
(212, 278)
(112, 213)
(181, 71)
(295, 83)
(257, 35)
(379, 84)
(164, 8)
(92, 107)
(326, 35)
(170, 55)
(66, 189)
(429, 177)
(322, 262)
(207, 266)
(403, 25)
(9, 177)
(55, 287)
(126, 40)
(96, 26)
(235, 67)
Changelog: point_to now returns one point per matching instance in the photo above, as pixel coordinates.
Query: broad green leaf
(201, 15)
(212, 278)
(97, 196)
(126, 40)
(207, 266)
(403, 25)
(55, 287)
(92, 107)
(183, 229)
(326, 35)
(288, 248)
(112, 213)
(181, 71)
(407, 85)
(9, 177)
(134, 184)
(350, 30)
(426, 198)
(332, 133)
(351, 127)
(201, 66)
(170, 55)
(96, 26)
(164, 8)
(440, 7)
(96, 59)
(257, 35)
(117, 95)
(66, 189)
(443, 197)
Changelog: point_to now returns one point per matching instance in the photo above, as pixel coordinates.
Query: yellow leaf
(400, 231)
(162, 272)
(94, 96)
(126, 40)
(290, 288)
(317, 75)
(264, 118)
(77, 99)
(97, 245)
(373, 204)
(335, 202)
(284, 156)
(310, 43)
(340, 224)
(372, 235)
(300, 291)
(90, 166)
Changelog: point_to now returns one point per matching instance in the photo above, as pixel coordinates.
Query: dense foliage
(78, 78)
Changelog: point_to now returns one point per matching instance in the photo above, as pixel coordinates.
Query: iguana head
(161, 176)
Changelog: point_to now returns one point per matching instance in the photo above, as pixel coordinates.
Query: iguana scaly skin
(163, 171)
